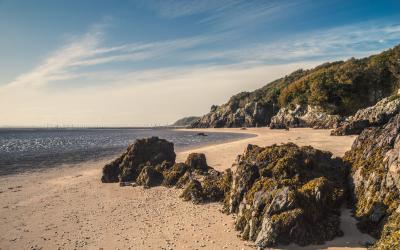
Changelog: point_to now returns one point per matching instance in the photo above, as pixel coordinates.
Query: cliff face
(375, 115)
(338, 88)
(253, 114)
(300, 116)
(375, 182)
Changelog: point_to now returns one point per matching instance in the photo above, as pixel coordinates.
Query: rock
(154, 167)
(201, 134)
(111, 171)
(282, 201)
(287, 194)
(152, 151)
(193, 192)
(149, 177)
(301, 116)
(172, 176)
(217, 185)
(197, 161)
(376, 115)
(235, 114)
(375, 183)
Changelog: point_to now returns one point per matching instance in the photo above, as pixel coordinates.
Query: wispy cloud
(330, 44)
(227, 14)
(55, 66)
(70, 60)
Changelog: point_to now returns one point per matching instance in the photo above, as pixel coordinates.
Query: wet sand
(69, 207)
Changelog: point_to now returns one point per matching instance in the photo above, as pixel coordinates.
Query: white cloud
(332, 44)
(55, 66)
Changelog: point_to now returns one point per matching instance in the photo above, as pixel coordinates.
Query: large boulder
(303, 116)
(152, 152)
(287, 194)
(376, 115)
(375, 182)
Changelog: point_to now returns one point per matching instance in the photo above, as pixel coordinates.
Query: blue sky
(144, 62)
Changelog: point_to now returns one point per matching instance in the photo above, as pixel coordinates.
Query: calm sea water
(35, 149)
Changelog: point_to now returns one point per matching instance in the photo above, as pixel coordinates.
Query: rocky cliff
(375, 115)
(253, 114)
(304, 117)
(339, 89)
(375, 182)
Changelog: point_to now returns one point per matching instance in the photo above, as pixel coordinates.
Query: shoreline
(69, 207)
(36, 160)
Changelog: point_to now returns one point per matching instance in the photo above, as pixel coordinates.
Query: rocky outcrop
(301, 116)
(151, 162)
(151, 152)
(252, 114)
(375, 182)
(286, 193)
(376, 115)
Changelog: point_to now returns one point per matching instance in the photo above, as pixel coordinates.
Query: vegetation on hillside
(186, 121)
(340, 87)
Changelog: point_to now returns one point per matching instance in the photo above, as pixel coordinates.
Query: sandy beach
(68, 207)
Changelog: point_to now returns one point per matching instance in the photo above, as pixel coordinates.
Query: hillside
(338, 88)
(186, 121)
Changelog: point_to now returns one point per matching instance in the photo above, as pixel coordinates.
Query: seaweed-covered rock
(150, 162)
(375, 182)
(174, 174)
(217, 185)
(193, 192)
(302, 116)
(197, 161)
(286, 193)
(144, 152)
(376, 115)
(149, 177)
(111, 170)
(210, 186)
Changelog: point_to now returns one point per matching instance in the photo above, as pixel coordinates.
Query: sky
(148, 62)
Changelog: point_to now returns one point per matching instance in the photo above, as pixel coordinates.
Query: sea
(36, 149)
